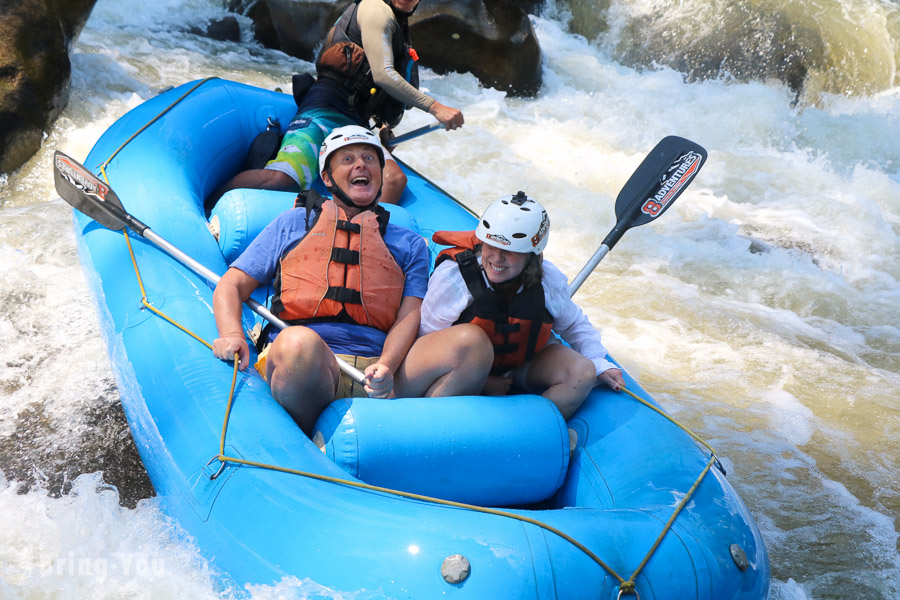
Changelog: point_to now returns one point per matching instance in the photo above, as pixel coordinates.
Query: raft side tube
(488, 451)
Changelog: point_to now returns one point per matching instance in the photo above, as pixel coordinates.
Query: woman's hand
(386, 134)
(612, 378)
(450, 117)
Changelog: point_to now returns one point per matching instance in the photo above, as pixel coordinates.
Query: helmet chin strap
(341, 195)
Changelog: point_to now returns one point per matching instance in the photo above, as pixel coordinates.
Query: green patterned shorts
(298, 156)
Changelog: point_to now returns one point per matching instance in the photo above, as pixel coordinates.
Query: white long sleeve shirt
(448, 297)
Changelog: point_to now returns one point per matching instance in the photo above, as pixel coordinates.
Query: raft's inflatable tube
(241, 214)
(487, 451)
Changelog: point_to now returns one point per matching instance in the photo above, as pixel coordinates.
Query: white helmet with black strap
(515, 223)
(347, 135)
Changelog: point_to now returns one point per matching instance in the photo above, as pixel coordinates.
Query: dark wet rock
(492, 39)
(44, 452)
(749, 44)
(224, 30)
(811, 51)
(589, 17)
(35, 39)
(298, 27)
(263, 28)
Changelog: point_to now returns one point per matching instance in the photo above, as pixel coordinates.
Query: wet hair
(533, 272)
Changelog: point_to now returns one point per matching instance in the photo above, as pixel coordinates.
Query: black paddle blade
(86, 193)
(657, 182)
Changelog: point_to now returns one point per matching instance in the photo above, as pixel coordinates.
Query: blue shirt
(261, 258)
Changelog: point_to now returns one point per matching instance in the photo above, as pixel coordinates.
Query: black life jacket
(518, 329)
(343, 61)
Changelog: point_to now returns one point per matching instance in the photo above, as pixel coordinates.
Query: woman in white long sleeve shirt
(515, 298)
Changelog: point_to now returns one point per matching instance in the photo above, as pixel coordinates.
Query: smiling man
(346, 280)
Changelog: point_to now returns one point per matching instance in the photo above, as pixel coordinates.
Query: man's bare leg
(303, 374)
(255, 179)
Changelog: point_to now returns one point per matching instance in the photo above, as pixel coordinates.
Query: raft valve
(455, 568)
(739, 557)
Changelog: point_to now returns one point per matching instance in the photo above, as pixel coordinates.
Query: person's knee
(393, 183)
(571, 369)
(269, 179)
(295, 346)
(255, 179)
(471, 346)
(581, 370)
(301, 374)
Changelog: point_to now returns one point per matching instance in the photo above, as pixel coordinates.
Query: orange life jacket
(340, 271)
(517, 329)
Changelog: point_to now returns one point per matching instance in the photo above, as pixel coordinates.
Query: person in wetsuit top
(366, 71)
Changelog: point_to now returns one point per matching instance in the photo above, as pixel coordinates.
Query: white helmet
(345, 136)
(515, 223)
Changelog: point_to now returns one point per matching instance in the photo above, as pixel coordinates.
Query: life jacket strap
(348, 226)
(343, 295)
(507, 328)
(505, 348)
(345, 256)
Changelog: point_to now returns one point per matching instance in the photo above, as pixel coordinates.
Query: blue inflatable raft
(467, 497)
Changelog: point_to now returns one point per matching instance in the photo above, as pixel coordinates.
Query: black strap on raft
(265, 146)
(301, 82)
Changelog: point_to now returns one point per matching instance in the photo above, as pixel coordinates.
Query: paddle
(648, 193)
(87, 194)
(414, 134)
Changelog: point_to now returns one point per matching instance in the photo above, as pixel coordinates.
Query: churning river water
(762, 310)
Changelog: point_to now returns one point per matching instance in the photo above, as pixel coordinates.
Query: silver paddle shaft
(258, 308)
(587, 269)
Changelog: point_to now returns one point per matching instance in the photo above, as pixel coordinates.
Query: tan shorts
(347, 386)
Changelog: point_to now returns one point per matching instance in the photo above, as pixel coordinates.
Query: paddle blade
(663, 175)
(86, 193)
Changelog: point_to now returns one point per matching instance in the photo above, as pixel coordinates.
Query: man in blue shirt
(346, 280)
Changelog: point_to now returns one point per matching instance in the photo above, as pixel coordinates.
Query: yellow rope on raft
(149, 123)
(146, 303)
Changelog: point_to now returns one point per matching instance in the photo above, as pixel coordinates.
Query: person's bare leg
(394, 182)
(303, 374)
(450, 362)
(567, 376)
(255, 179)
